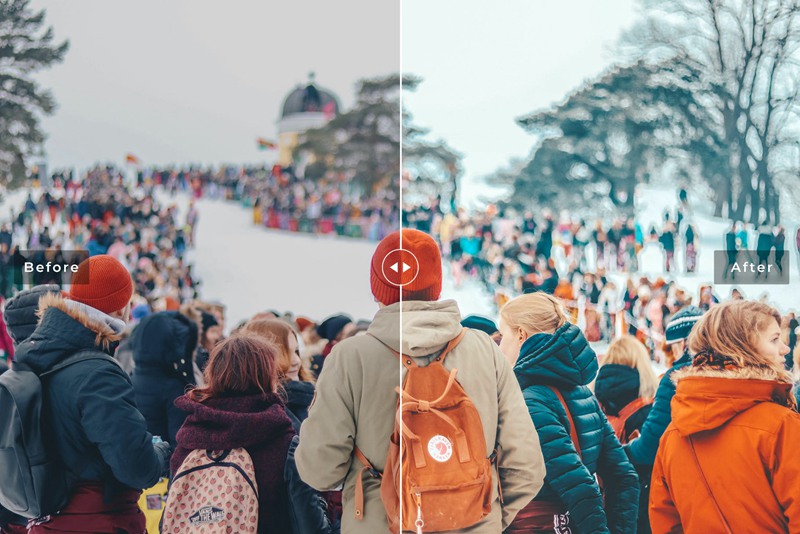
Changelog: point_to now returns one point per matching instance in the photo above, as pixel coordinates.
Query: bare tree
(749, 50)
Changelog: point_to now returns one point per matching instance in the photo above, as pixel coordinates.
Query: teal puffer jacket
(565, 361)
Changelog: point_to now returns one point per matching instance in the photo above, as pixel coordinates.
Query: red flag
(264, 144)
(133, 160)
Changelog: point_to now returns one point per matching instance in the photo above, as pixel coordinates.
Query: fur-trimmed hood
(708, 398)
(66, 327)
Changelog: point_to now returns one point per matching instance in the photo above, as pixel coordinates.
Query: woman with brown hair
(295, 379)
(297, 391)
(239, 407)
(728, 457)
(553, 364)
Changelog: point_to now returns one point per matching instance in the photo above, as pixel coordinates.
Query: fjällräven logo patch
(440, 448)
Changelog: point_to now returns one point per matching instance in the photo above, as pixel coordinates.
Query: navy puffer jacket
(642, 451)
(565, 361)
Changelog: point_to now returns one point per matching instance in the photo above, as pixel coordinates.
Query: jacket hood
(706, 399)
(563, 358)
(162, 340)
(427, 326)
(66, 327)
(616, 386)
(20, 313)
(230, 422)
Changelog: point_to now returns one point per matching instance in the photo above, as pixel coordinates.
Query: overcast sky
(486, 63)
(197, 81)
(190, 81)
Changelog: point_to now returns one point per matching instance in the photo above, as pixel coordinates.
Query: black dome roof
(309, 99)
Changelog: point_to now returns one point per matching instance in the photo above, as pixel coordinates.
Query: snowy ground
(251, 268)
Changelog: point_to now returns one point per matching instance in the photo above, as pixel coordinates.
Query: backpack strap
(708, 488)
(374, 473)
(80, 356)
(450, 346)
(621, 419)
(632, 407)
(573, 433)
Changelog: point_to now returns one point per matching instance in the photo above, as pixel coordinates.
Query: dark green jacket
(565, 361)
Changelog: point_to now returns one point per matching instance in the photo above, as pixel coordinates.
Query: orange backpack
(437, 476)
(618, 421)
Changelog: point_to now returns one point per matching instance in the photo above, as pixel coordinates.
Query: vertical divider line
(400, 212)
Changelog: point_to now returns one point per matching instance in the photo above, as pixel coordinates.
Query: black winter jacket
(163, 345)
(100, 433)
(298, 398)
(565, 361)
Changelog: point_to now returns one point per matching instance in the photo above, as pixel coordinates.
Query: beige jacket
(355, 404)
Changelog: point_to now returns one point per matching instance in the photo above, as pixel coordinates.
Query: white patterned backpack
(213, 492)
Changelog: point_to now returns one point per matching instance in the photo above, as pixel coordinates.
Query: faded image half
(191, 196)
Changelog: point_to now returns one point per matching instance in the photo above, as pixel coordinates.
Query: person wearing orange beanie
(93, 422)
(104, 284)
(417, 248)
(356, 402)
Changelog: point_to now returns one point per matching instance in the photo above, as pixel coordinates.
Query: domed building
(303, 109)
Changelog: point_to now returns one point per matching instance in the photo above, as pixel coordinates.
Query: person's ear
(523, 335)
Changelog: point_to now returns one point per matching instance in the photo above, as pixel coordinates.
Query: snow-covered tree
(610, 135)
(749, 52)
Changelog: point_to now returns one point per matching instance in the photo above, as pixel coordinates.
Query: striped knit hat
(680, 325)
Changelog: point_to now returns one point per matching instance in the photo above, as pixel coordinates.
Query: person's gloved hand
(164, 452)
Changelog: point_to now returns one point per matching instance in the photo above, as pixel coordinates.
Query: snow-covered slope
(650, 205)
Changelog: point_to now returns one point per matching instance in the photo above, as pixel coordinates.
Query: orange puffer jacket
(745, 436)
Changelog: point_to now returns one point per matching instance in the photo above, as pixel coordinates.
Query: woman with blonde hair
(553, 364)
(297, 381)
(625, 386)
(728, 457)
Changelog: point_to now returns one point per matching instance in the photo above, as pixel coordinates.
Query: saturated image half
(599, 224)
(193, 199)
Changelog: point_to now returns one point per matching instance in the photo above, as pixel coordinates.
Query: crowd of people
(283, 199)
(157, 417)
(572, 440)
(504, 248)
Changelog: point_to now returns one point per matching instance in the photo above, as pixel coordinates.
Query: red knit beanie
(418, 248)
(103, 283)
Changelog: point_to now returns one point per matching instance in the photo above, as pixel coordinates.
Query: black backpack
(35, 483)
